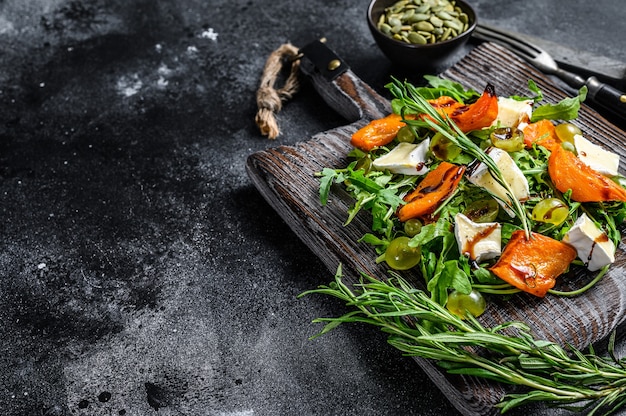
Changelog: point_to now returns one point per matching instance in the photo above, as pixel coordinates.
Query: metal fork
(532, 54)
(603, 94)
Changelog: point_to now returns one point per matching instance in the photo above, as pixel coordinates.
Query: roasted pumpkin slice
(533, 264)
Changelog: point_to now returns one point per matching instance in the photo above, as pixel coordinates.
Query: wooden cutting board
(285, 177)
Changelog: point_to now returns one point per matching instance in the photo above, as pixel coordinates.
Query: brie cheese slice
(405, 158)
(597, 158)
(479, 241)
(513, 113)
(592, 244)
(480, 176)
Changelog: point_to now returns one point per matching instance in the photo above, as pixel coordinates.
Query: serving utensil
(609, 98)
(582, 62)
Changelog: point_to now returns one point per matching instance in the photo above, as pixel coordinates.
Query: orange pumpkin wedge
(377, 132)
(567, 172)
(542, 133)
(481, 113)
(533, 264)
(436, 186)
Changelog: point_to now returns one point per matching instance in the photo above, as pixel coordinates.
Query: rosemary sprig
(418, 326)
(408, 100)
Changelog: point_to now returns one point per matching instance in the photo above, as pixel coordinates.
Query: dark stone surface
(140, 271)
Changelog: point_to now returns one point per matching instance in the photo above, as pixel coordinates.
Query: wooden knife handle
(339, 87)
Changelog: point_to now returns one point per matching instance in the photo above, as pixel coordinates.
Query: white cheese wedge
(592, 244)
(513, 113)
(597, 158)
(479, 241)
(405, 158)
(480, 176)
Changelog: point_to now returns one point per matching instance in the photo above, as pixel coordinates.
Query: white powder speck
(158, 47)
(162, 82)
(238, 413)
(192, 50)
(164, 70)
(41, 266)
(129, 86)
(209, 34)
(6, 27)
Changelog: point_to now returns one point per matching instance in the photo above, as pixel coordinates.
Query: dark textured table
(141, 272)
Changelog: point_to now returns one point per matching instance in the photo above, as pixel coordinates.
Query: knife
(604, 95)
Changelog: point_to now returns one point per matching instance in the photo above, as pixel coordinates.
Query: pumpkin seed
(453, 24)
(446, 34)
(417, 39)
(425, 26)
(437, 22)
(443, 15)
(394, 21)
(419, 17)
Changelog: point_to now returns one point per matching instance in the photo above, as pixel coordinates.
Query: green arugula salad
(484, 196)
(451, 191)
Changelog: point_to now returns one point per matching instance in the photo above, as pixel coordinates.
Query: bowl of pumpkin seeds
(421, 35)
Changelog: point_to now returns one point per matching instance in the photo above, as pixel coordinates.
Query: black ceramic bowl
(428, 58)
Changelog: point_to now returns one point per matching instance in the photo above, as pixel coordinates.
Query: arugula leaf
(373, 240)
(430, 232)
(448, 274)
(532, 86)
(441, 87)
(328, 176)
(485, 276)
(358, 179)
(566, 109)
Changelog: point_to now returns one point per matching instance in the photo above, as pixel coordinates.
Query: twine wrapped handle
(269, 99)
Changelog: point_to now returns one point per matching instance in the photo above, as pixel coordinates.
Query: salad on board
(483, 194)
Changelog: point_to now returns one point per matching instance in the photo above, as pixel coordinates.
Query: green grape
(400, 256)
(442, 148)
(482, 210)
(460, 303)
(551, 211)
(508, 139)
(406, 135)
(412, 227)
(566, 132)
(569, 147)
